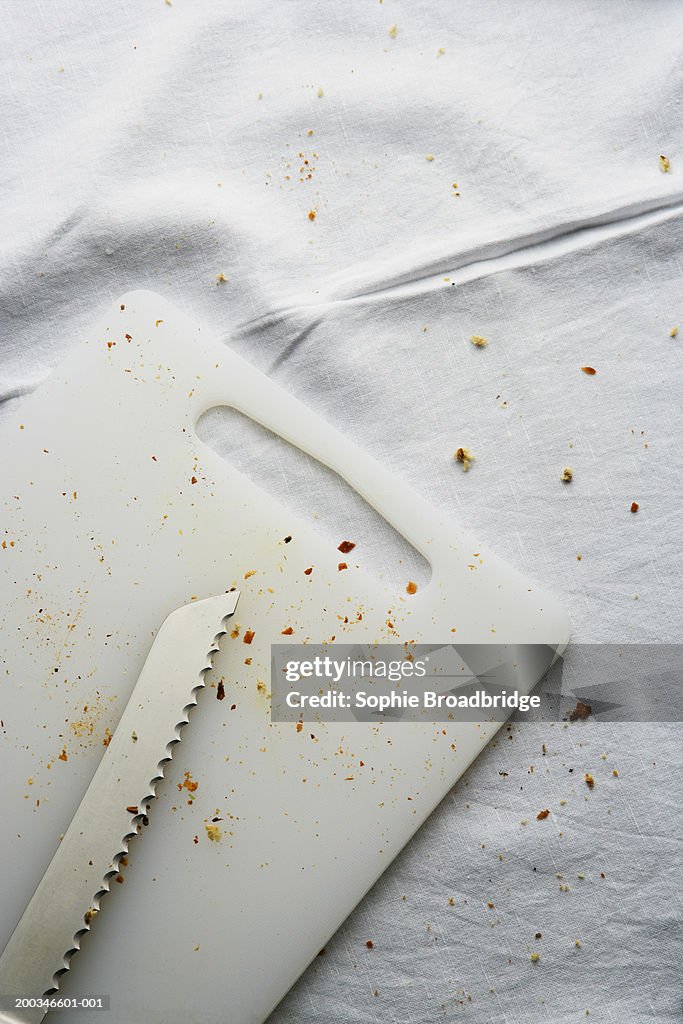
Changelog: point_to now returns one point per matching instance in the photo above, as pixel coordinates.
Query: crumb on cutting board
(465, 457)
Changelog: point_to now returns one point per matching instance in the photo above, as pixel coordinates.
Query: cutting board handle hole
(316, 493)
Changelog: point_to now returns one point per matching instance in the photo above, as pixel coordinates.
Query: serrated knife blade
(111, 811)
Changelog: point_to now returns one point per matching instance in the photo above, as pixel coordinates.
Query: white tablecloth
(378, 182)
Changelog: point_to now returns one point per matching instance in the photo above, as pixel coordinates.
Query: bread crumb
(451, 901)
(411, 588)
(567, 475)
(440, 52)
(479, 341)
(321, 92)
(664, 164)
(393, 32)
(535, 957)
(634, 506)
(464, 456)
(673, 332)
(311, 215)
(429, 158)
(213, 833)
(580, 712)
(578, 943)
(590, 781)
(590, 370)
(542, 815)
(248, 636)
(221, 278)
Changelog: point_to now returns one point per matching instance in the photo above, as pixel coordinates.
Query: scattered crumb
(307, 572)
(321, 92)
(214, 833)
(590, 781)
(248, 636)
(188, 783)
(567, 475)
(634, 506)
(590, 370)
(538, 935)
(311, 214)
(429, 158)
(247, 575)
(673, 332)
(578, 943)
(370, 944)
(615, 773)
(221, 279)
(440, 52)
(451, 901)
(664, 164)
(581, 711)
(464, 456)
(542, 815)
(132, 809)
(299, 726)
(491, 906)
(411, 588)
(220, 691)
(479, 341)
(393, 32)
(342, 566)
(287, 631)
(535, 957)
(346, 546)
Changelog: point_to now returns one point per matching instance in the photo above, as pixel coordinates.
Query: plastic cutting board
(113, 514)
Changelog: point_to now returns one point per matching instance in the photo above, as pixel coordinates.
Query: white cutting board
(113, 514)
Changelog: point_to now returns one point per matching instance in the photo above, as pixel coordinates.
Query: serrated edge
(94, 907)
